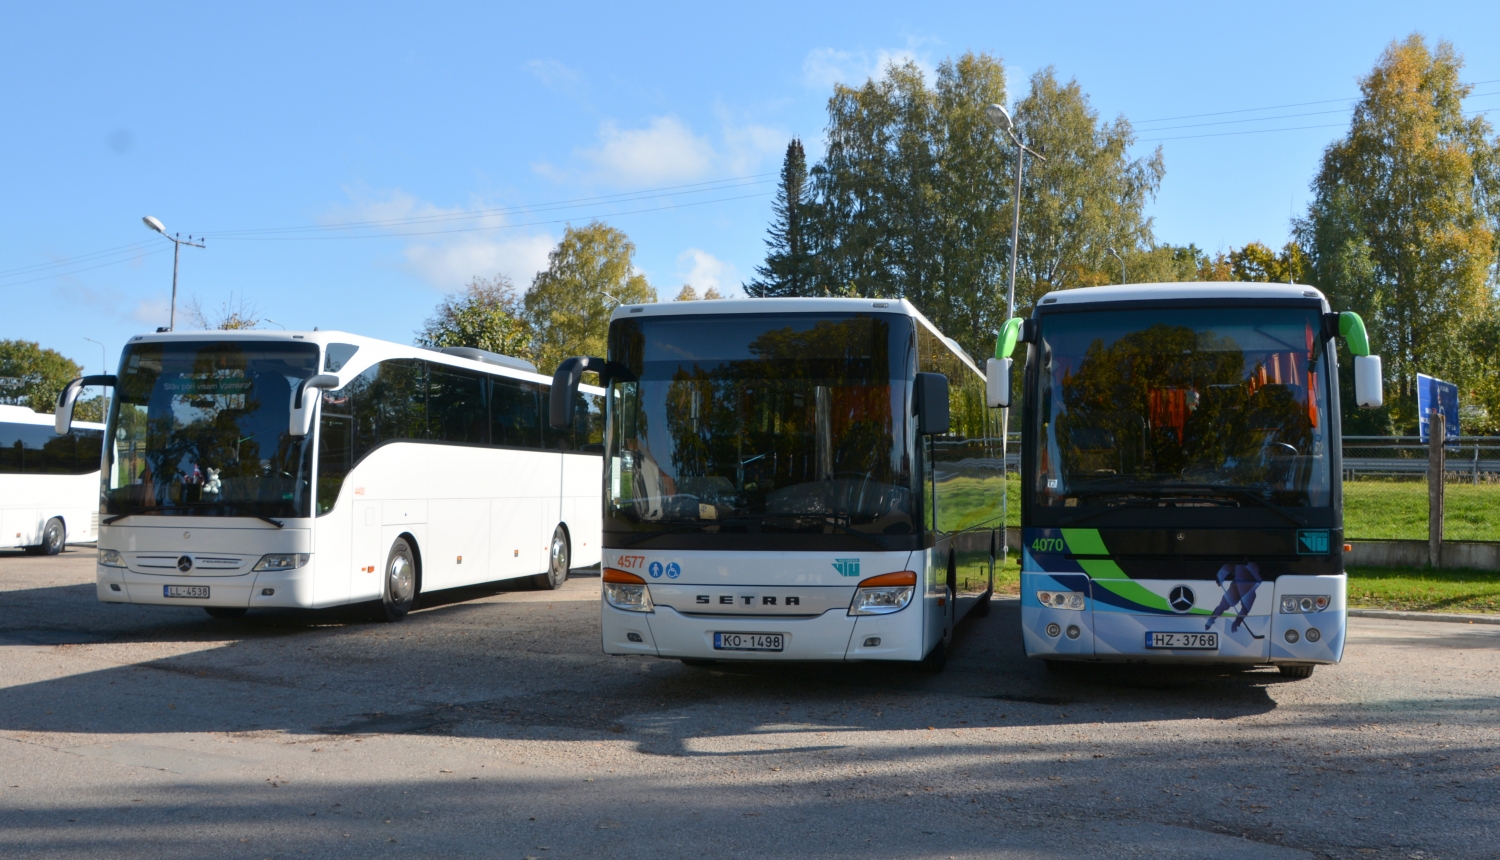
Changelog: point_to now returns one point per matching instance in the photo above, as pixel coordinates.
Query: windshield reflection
(1179, 402)
(748, 423)
(202, 429)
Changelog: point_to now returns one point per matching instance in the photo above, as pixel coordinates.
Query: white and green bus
(791, 479)
(1181, 482)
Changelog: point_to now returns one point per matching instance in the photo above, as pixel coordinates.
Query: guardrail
(1474, 457)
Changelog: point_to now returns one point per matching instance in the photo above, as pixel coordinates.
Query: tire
(559, 559)
(225, 612)
(1296, 673)
(935, 661)
(698, 662)
(400, 583)
(54, 537)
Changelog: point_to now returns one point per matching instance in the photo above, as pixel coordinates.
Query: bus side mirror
(303, 402)
(69, 396)
(997, 382)
(931, 392)
(564, 390)
(1369, 390)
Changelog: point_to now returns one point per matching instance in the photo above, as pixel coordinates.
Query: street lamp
(999, 117)
(177, 243)
(1116, 255)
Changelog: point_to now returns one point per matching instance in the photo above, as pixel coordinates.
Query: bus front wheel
(54, 535)
(559, 560)
(399, 592)
(1296, 672)
(225, 612)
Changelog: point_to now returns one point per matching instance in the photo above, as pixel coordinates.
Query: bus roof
(371, 350)
(1181, 290)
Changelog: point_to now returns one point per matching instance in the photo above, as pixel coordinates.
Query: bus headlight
(111, 558)
(1061, 599)
(884, 594)
(282, 561)
(626, 591)
(1299, 603)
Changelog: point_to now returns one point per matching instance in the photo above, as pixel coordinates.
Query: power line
(391, 235)
(1292, 105)
(82, 258)
(76, 271)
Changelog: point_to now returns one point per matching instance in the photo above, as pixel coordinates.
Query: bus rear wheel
(1296, 672)
(559, 560)
(54, 536)
(399, 591)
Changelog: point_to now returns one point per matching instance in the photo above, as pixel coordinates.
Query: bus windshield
(752, 424)
(202, 429)
(1194, 406)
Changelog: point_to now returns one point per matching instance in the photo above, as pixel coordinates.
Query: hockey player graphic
(1239, 582)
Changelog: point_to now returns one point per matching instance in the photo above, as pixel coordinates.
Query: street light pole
(177, 243)
(1116, 255)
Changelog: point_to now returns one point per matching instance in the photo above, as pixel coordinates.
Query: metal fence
(1476, 458)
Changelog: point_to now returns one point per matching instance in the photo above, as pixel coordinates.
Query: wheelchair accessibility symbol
(673, 571)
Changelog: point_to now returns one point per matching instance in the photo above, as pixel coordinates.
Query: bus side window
(90, 449)
(456, 407)
(515, 418)
(588, 431)
(10, 449)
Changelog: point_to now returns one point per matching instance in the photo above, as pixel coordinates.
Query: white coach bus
(785, 481)
(311, 469)
(49, 484)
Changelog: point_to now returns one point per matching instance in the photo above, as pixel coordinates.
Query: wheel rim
(400, 579)
(54, 536)
(559, 558)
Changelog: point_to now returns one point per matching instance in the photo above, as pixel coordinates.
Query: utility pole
(177, 243)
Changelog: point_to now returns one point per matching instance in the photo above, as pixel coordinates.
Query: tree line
(913, 197)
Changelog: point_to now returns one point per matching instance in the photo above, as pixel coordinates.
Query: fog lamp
(1292, 637)
(1313, 635)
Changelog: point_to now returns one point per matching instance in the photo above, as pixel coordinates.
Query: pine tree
(788, 268)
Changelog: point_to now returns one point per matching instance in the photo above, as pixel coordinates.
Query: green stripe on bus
(1085, 541)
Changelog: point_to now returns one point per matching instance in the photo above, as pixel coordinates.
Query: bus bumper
(283, 589)
(1115, 626)
(834, 635)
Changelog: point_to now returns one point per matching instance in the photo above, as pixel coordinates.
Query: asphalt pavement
(488, 724)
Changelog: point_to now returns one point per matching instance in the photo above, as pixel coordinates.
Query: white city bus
(49, 484)
(1182, 498)
(785, 481)
(310, 469)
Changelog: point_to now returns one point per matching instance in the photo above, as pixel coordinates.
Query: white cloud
(824, 67)
(664, 150)
(555, 75)
(484, 248)
(703, 270)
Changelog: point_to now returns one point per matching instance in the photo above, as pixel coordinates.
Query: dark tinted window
(456, 406)
(34, 449)
(515, 414)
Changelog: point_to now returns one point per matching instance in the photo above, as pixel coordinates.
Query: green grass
(1419, 589)
(1397, 510)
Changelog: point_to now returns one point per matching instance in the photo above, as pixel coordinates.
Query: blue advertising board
(1434, 395)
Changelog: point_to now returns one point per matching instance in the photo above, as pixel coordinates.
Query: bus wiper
(814, 518)
(680, 527)
(1133, 503)
(1156, 497)
(109, 521)
(1239, 493)
(228, 505)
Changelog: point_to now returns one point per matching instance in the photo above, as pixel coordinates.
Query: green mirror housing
(1352, 330)
(1005, 343)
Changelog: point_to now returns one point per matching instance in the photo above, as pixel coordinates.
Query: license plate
(748, 641)
(199, 592)
(1198, 641)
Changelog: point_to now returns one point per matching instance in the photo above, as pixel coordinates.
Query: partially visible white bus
(49, 484)
(311, 469)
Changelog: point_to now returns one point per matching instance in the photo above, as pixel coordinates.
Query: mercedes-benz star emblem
(1181, 599)
(185, 564)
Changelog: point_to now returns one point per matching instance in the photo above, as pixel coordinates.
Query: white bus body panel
(475, 514)
(28, 501)
(728, 592)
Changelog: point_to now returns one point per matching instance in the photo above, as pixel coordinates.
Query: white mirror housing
(997, 382)
(1369, 390)
(305, 401)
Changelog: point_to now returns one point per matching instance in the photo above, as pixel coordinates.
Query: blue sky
(497, 123)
